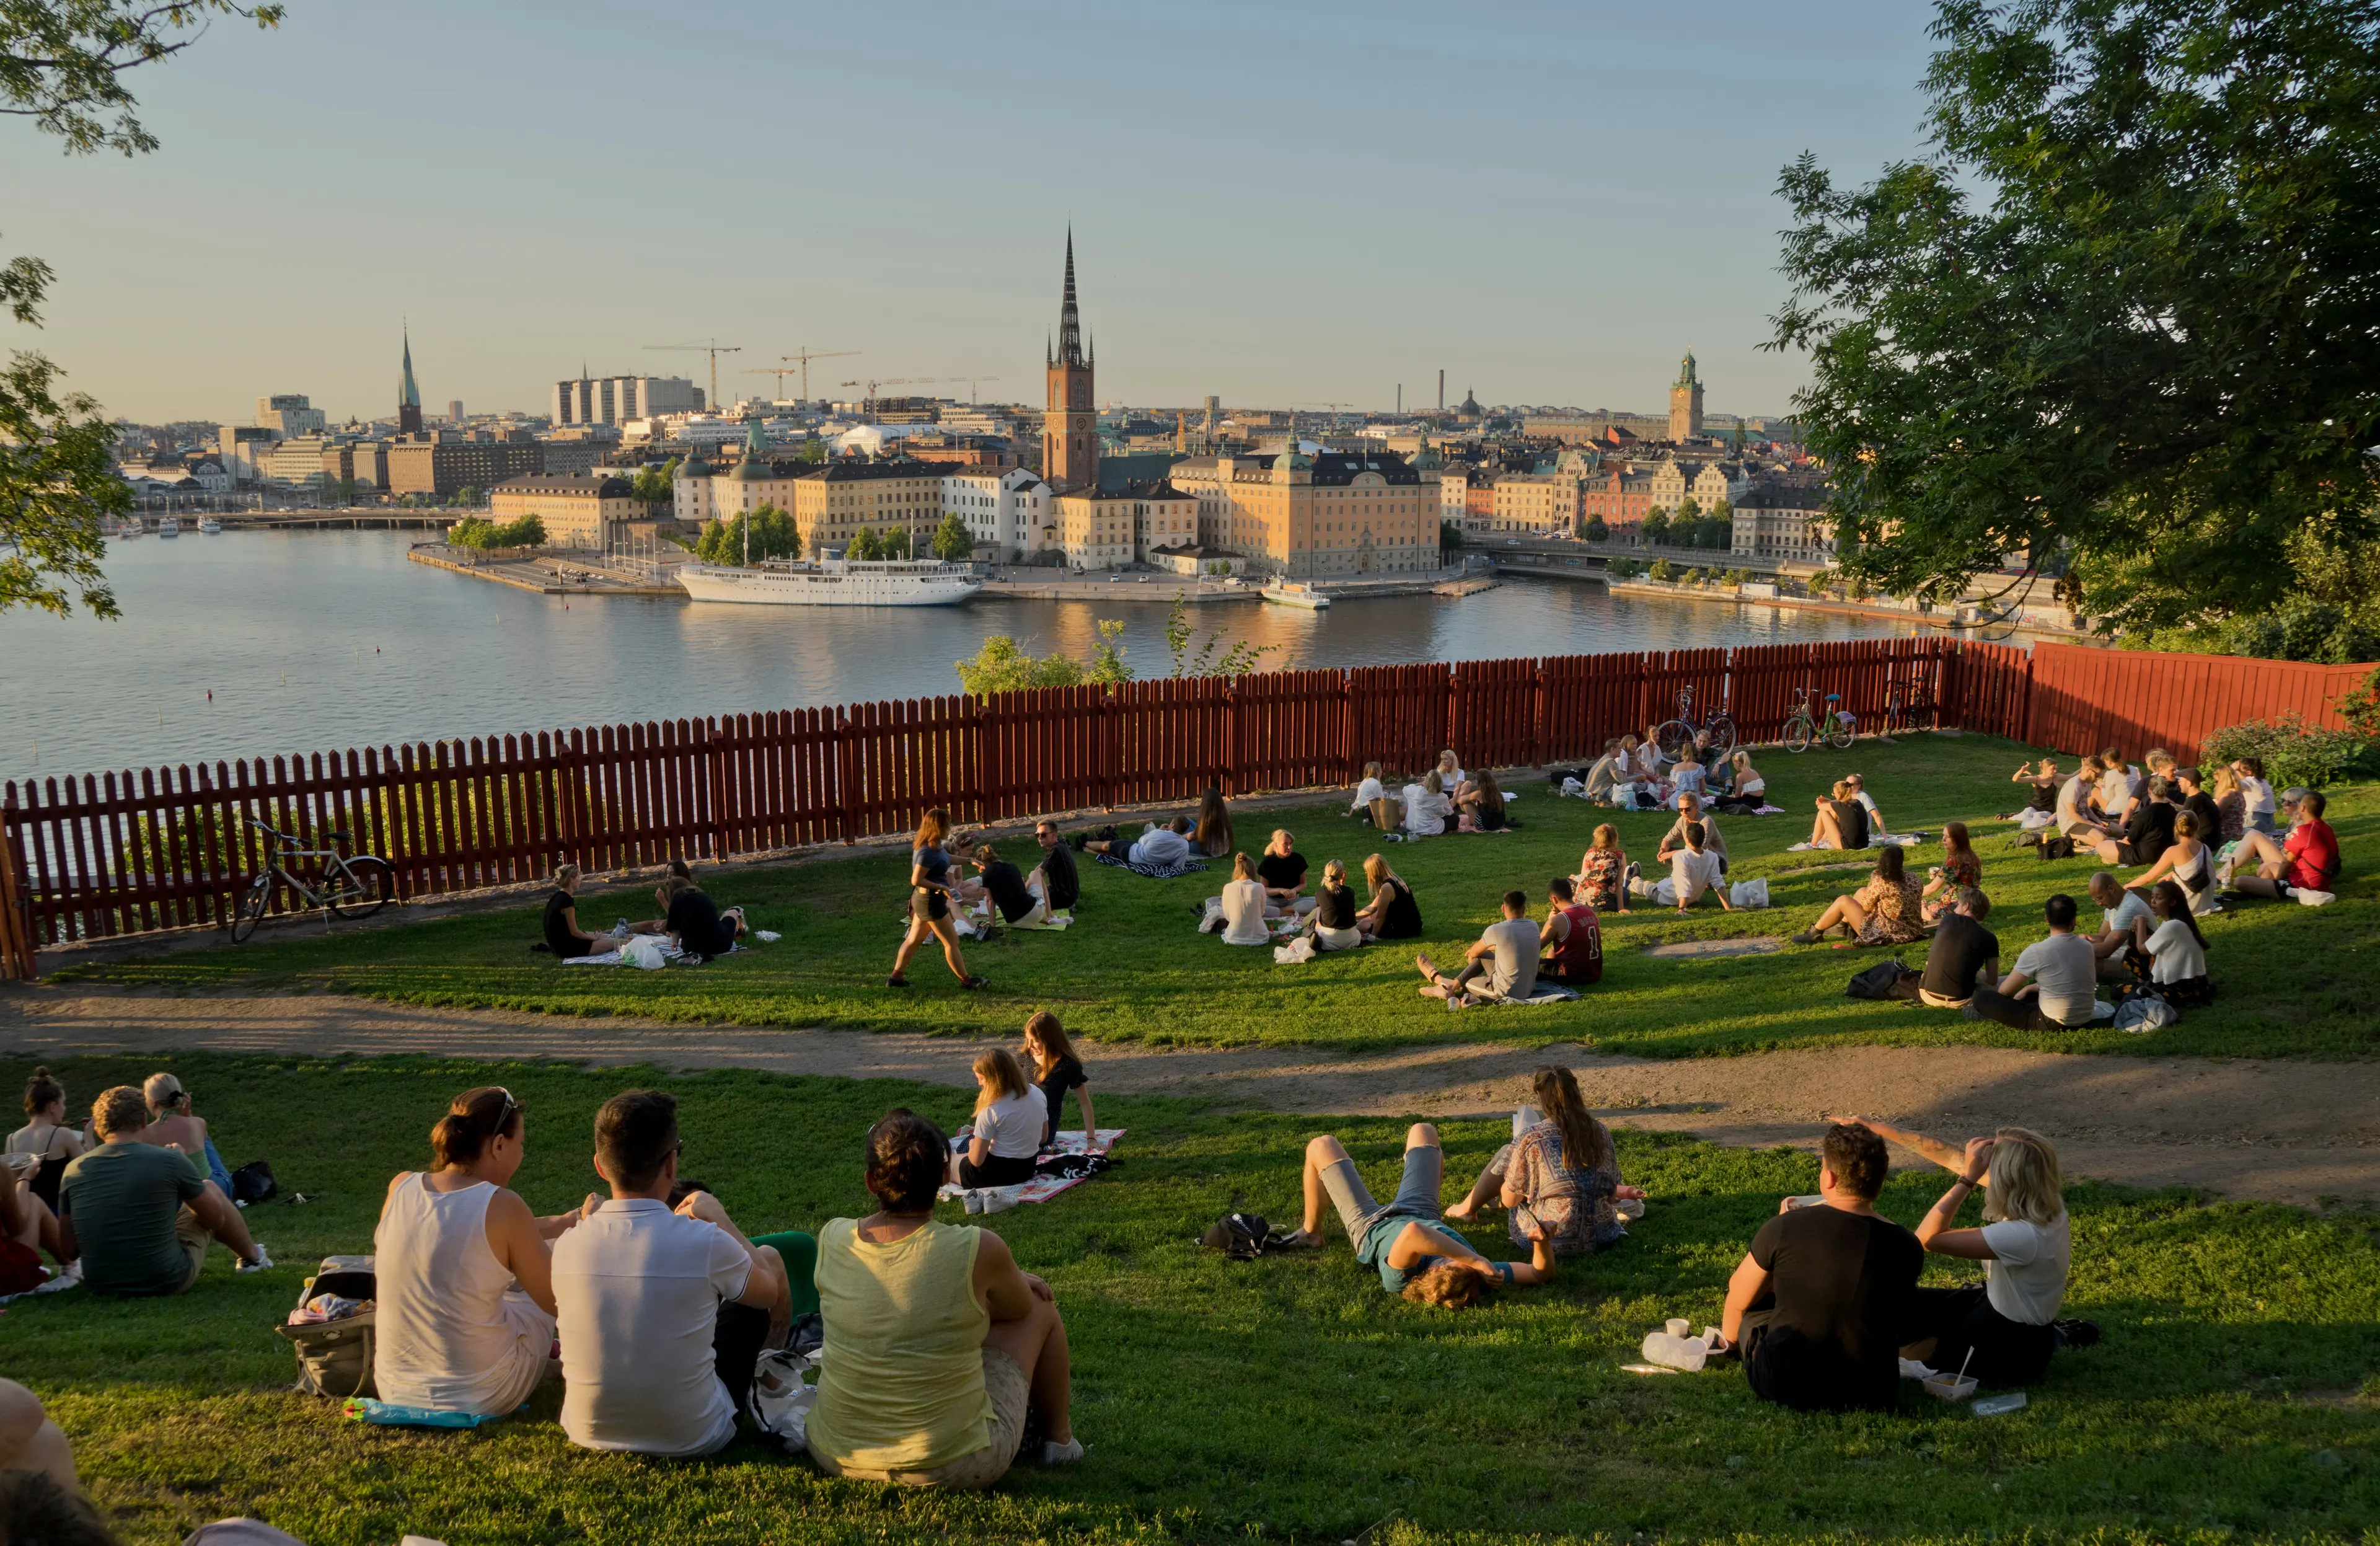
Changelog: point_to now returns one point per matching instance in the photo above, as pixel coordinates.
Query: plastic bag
(781, 1397)
(1296, 950)
(646, 950)
(1752, 893)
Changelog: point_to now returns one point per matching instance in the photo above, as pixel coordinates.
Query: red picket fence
(122, 853)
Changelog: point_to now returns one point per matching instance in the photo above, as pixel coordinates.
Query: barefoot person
(2303, 867)
(1502, 965)
(930, 903)
(140, 1215)
(1559, 1175)
(1885, 912)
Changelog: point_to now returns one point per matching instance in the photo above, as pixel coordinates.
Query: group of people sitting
(1514, 956)
(1021, 900)
(1427, 806)
(1268, 893)
(1634, 774)
(2209, 834)
(689, 920)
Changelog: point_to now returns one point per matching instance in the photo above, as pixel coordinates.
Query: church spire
(408, 396)
(1070, 322)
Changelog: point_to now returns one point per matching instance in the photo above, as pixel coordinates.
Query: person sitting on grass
(1692, 871)
(1856, 784)
(1012, 896)
(1841, 821)
(1055, 1070)
(1451, 777)
(1571, 939)
(2303, 866)
(2189, 862)
(938, 1348)
(563, 937)
(1282, 870)
(1602, 878)
(2054, 985)
(1609, 771)
(1502, 965)
(1559, 1175)
(2078, 814)
(140, 1215)
(2115, 789)
(465, 1284)
(1688, 777)
(693, 922)
(1690, 811)
(1162, 847)
(46, 1136)
(1212, 836)
(173, 1124)
(929, 904)
(1391, 914)
(1964, 956)
(1054, 880)
(1887, 910)
(1010, 1118)
(663, 1311)
(1370, 792)
(2043, 782)
(1748, 790)
(2148, 827)
(2257, 793)
(2174, 948)
(2190, 791)
(27, 1229)
(1482, 804)
(31, 1443)
(1422, 812)
(1417, 1257)
(2230, 806)
(2010, 1322)
(1818, 1305)
(2121, 908)
(1336, 920)
(1243, 906)
(1961, 869)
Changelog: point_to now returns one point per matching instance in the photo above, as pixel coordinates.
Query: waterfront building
(1686, 402)
(408, 395)
(1315, 517)
(366, 461)
(290, 415)
(579, 510)
(1785, 518)
(565, 457)
(1095, 527)
(442, 469)
(618, 399)
(295, 462)
(1620, 497)
(238, 447)
(1070, 433)
(833, 500)
(1008, 509)
(1674, 482)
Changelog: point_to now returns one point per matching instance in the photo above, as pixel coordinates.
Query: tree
(61, 63)
(1238, 661)
(1721, 521)
(346, 491)
(471, 532)
(1660, 570)
(1449, 535)
(952, 542)
(1655, 527)
(894, 543)
(2122, 313)
(1594, 530)
(812, 451)
(1001, 666)
(526, 533)
(655, 485)
(863, 546)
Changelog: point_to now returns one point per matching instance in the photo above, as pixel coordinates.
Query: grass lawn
(1287, 1398)
(2295, 981)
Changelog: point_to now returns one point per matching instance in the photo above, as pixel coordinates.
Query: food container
(1951, 1387)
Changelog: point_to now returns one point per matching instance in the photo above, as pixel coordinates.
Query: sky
(1280, 204)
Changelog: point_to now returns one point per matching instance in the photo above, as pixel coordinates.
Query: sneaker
(263, 1263)
(2230, 898)
(1807, 936)
(973, 982)
(2314, 898)
(896, 980)
(67, 1279)
(1055, 1454)
(2076, 1334)
(972, 1199)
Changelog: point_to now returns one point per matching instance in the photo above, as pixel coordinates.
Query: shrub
(1693, 576)
(1595, 530)
(2294, 752)
(1623, 569)
(1660, 570)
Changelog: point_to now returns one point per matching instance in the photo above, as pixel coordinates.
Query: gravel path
(2280, 1131)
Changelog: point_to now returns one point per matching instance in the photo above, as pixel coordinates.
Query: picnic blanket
(1069, 1162)
(1875, 840)
(1545, 994)
(1154, 871)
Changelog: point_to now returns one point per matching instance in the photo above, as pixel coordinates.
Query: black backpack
(1886, 980)
(253, 1183)
(1241, 1237)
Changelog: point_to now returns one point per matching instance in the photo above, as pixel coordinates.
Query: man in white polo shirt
(661, 1312)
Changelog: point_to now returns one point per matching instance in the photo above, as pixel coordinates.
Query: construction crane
(711, 347)
(920, 380)
(780, 372)
(807, 355)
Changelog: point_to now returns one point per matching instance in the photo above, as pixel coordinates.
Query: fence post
(17, 955)
(843, 774)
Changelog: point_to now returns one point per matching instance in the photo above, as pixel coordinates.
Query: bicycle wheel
(1672, 738)
(1842, 731)
(252, 910)
(1797, 734)
(359, 887)
(1722, 735)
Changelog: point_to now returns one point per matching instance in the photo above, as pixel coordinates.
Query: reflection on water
(316, 640)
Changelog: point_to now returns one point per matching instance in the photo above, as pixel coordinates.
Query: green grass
(2295, 981)
(1287, 1398)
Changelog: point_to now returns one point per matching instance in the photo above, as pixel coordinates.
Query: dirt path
(2292, 1132)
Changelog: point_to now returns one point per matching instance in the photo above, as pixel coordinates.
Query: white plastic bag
(1296, 950)
(781, 1398)
(1752, 893)
(646, 950)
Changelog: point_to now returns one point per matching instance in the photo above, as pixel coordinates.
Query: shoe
(263, 1263)
(1295, 1240)
(67, 1279)
(1055, 1454)
(2230, 898)
(972, 1199)
(973, 982)
(2314, 898)
(2076, 1334)
(1808, 936)
(896, 980)
(1971, 1012)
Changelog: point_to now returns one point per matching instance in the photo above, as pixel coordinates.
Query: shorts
(1004, 1382)
(2081, 829)
(932, 906)
(194, 1238)
(1337, 939)
(997, 1170)
(1417, 1196)
(21, 1269)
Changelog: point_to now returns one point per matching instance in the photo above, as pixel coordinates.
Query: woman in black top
(1482, 804)
(1282, 870)
(1336, 920)
(1392, 914)
(1050, 1054)
(563, 935)
(930, 903)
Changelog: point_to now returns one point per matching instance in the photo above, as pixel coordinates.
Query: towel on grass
(1061, 1167)
(388, 1415)
(1875, 840)
(652, 952)
(1154, 871)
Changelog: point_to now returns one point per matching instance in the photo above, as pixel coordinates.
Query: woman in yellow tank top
(937, 1345)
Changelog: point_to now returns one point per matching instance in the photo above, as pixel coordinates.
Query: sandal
(1295, 1240)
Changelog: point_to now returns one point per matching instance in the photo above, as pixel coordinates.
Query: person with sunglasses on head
(464, 1273)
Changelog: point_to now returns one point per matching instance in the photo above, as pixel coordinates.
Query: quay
(551, 574)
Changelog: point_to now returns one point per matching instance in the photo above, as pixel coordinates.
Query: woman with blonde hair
(1009, 1118)
(1602, 878)
(2230, 805)
(1242, 903)
(2009, 1324)
(1213, 837)
(563, 937)
(1335, 920)
(930, 903)
(1391, 914)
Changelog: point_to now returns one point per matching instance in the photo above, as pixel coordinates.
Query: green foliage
(812, 451)
(1594, 530)
(2119, 309)
(773, 534)
(1691, 577)
(478, 533)
(1238, 661)
(2361, 709)
(57, 471)
(1623, 569)
(894, 543)
(1107, 655)
(1689, 511)
(864, 546)
(1449, 535)
(954, 543)
(1655, 527)
(471, 532)
(1001, 666)
(656, 485)
(62, 62)
(1660, 570)
(2300, 629)
(2294, 751)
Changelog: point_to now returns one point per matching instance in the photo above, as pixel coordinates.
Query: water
(321, 640)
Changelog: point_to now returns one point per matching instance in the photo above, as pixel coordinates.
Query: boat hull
(1312, 601)
(782, 588)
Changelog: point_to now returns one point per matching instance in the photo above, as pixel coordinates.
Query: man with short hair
(1571, 938)
(2121, 907)
(2199, 803)
(1502, 965)
(1964, 956)
(2148, 828)
(2055, 985)
(1692, 871)
(1059, 886)
(662, 1313)
(141, 1215)
(1019, 906)
(1818, 1304)
(2302, 867)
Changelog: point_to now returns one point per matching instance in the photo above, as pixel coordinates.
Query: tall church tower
(1070, 428)
(408, 396)
(1686, 402)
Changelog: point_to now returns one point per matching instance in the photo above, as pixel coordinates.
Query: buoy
(211, 695)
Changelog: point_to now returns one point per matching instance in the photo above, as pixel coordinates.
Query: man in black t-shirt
(1004, 883)
(2148, 831)
(1964, 953)
(692, 919)
(1061, 887)
(1818, 1305)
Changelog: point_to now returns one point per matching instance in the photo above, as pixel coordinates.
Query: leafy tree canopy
(952, 542)
(2123, 312)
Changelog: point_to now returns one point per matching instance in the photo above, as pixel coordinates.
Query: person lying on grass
(2303, 868)
(1163, 845)
(937, 1346)
(1570, 937)
(1502, 965)
(1417, 1257)
(2010, 1322)
(1817, 1305)
(140, 1215)
(1887, 910)
(1559, 1175)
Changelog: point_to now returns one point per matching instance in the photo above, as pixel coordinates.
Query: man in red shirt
(1571, 938)
(2303, 867)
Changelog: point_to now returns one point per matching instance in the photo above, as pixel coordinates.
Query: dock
(548, 574)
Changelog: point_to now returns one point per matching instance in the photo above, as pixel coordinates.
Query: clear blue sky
(1274, 204)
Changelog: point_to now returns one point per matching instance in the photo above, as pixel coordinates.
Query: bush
(1623, 569)
(1660, 570)
(1595, 530)
(2294, 752)
(1693, 576)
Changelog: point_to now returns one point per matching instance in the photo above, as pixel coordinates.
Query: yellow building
(1315, 517)
(830, 503)
(580, 511)
(1537, 505)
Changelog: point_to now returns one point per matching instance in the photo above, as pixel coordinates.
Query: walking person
(930, 903)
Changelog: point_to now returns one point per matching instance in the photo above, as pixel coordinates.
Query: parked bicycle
(1837, 727)
(1907, 705)
(349, 886)
(1674, 736)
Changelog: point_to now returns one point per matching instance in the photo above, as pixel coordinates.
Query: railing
(123, 853)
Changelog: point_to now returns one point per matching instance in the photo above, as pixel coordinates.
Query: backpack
(1241, 1237)
(2143, 1009)
(2061, 847)
(334, 1358)
(253, 1181)
(1886, 980)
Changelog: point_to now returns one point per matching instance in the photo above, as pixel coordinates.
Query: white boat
(169, 527)
(128, 528)
(210, 526)
(1290, 593)
(834, 583)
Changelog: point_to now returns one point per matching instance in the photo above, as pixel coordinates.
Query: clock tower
(1070, 428)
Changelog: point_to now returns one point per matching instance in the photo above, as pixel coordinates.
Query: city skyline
(1362, 202)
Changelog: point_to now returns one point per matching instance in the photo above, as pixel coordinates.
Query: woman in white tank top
(465, 1279)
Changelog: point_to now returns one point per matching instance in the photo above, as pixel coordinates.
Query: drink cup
(1680, 1326)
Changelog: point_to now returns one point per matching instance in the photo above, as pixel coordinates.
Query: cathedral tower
(1070, 426)
(408, 396)
(1686, 402)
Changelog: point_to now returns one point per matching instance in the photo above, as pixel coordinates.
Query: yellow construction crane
(711, 347)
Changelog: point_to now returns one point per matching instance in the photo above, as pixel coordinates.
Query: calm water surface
(318, 641)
